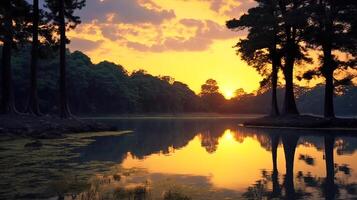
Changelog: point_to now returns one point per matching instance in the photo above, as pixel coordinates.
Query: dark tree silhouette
(275, 29)
(41, 27)
(7, 104)
(289, 143)
(210, 96)
(331, 30)
(330, 187)
(294, 21)
(210, 87)
(33, 100)
(62, 10)
(275, 174)
(11, 11)
(261, 46)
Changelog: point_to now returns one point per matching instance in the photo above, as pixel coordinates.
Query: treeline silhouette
(285, 35)
(282, 35)
(100, 88)
(308, 101)
(107, 88)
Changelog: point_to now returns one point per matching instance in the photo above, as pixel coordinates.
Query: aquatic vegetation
(172, 195)
(30, 169)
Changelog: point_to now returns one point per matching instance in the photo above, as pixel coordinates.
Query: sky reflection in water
(204, 159)
(237, 159)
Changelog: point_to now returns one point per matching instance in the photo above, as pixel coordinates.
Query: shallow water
(200, 159)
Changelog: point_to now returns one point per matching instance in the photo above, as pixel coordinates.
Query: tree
(331, 30)
(40, 29)
(260, 48)
(210, 87)
(210, 95)
(14, 23)
(62, 10)
(33, 100)
(294, 16)
(239, 93)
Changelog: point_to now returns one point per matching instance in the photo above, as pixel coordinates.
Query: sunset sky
(185, 39)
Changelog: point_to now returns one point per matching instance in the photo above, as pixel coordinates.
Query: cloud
(124, 11)
(206, 32)
(232, 8)
(143, 25)
(83, 44)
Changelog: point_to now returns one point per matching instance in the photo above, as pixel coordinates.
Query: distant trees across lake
(107, 88)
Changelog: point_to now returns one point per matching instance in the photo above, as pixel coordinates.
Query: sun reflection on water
(231, 165)
(232, 161)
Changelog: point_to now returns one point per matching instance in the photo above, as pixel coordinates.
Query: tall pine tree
(63, 16)
(14, 20)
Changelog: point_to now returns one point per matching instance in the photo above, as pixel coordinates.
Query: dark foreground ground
(303, 121)
(47, 126)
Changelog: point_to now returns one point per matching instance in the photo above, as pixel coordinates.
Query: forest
(91, 85)
(39, 74)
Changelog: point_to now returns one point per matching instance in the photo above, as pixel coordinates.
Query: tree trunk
(327, 72)
(330, 187)
(289, 143)
(275, 174)
(7, 101)
(33, 101)
(274, 82)
(64, 109)
(289, 107)
(329, 111)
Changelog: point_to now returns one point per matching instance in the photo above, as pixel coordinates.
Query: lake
(186, 158)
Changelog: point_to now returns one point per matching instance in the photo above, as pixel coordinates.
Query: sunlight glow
(228, 94)
(228, 135)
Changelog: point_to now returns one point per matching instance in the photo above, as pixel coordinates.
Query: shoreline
(50, 127)
(303, 122)
(47, 126)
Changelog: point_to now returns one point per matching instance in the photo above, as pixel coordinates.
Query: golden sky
(185, 39)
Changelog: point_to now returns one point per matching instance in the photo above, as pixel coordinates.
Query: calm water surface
(201, 159)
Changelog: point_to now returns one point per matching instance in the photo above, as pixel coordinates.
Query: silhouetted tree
(210, 95)
(62, 10)
(13, 31)
(260, 48)
(33, 101)
(289, 143)
(38, 18)
(294, 21)
(210, 87)
(239, 93)
(332, 29)
(330, 187)
(275, 174)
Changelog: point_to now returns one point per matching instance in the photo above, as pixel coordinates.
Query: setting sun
(178, 99)
(228, 94)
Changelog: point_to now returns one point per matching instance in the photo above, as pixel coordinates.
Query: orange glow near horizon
(228, 94)
(192, 46)
(186, 40)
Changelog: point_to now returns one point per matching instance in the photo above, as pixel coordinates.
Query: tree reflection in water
(329, 186)
(249, 163)
(294, 185)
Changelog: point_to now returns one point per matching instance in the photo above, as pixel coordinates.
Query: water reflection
(212, 159)
(254, 163)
